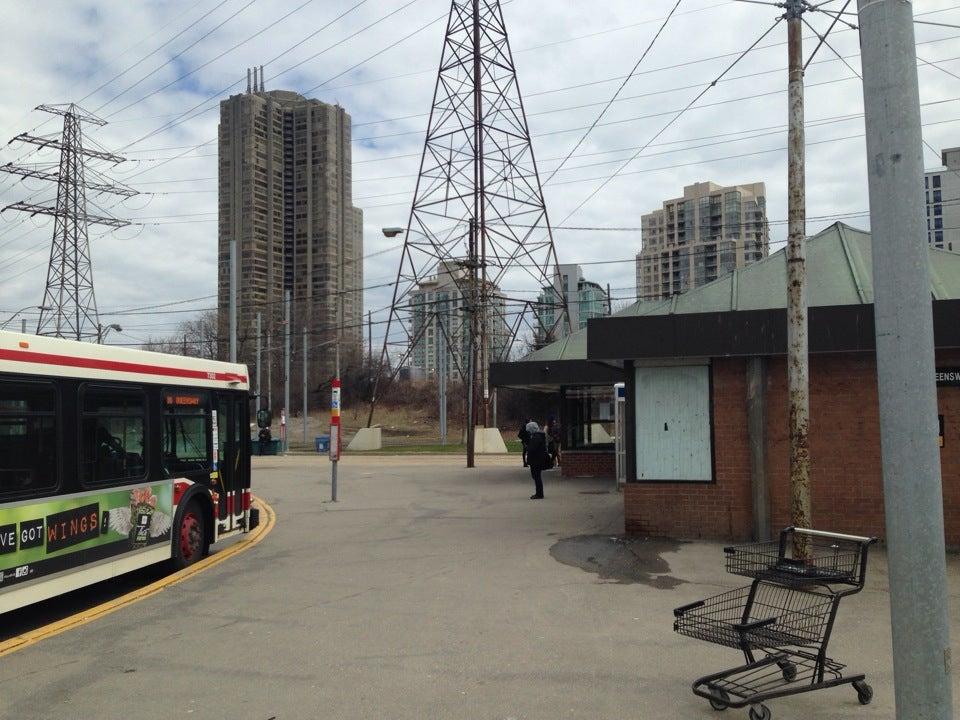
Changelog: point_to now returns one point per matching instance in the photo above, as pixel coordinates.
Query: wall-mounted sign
(948, 377)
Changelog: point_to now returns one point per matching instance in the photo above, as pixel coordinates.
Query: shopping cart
(782, 621)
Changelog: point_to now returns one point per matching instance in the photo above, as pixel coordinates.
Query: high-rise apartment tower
(942, 188)
(285, 195)
(696, 238)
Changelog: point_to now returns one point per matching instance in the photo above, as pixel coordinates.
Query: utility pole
(259, 351)
(286, 366)
(370, 335)
(472, 343)
(479, 255)
(23, 325)
(609, 301)
(305, 408)
(233, 299)
(798, 368)
(903, 318)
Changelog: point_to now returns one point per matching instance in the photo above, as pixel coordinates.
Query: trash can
(322, 443)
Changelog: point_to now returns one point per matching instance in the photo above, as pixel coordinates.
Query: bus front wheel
(189, 540)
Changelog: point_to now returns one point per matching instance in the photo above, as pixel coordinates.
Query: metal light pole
(233, 299)
(903, 318)
(286, 366)
(798, 368)
(104, 330)
(23, 321)
(304, 384)
(442, 376)
(259, 351)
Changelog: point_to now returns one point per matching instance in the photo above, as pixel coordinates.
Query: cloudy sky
(156, 69)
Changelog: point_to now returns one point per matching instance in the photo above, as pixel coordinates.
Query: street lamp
(41, 308)
(392, 232)
(104, 330)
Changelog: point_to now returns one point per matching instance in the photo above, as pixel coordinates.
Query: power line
(616, 94)
(217, 57)
(157, 49)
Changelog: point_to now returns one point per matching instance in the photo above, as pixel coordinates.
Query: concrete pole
(913, 494)
(259, 352)
(23, 325)
(798, 368)
(305, 408)
(233, 299)
(286, 367)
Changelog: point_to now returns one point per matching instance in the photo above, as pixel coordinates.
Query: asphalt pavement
(428, 591)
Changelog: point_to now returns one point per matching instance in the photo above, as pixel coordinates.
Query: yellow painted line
(111, 606)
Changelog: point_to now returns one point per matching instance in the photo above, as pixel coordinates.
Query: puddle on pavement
(620, 560)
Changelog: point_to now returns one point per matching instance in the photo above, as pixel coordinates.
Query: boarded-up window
(673, 423)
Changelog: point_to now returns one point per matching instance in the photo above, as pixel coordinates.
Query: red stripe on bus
(116, 365)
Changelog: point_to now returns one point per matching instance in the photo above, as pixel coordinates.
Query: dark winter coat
(524, 435)
(537, 455)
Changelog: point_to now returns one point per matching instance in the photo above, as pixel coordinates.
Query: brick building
(707, 422)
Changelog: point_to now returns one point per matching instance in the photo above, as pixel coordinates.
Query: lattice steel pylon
(69, 308)
(478, 224)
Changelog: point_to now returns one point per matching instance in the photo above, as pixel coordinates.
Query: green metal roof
(839, 272)
(572, 347)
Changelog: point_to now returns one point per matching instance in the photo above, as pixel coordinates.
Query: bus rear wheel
(189, 540)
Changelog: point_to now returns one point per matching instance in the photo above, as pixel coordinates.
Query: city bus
(113, 459)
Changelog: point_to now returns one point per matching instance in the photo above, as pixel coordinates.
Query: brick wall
(594, 463)
(846, 480)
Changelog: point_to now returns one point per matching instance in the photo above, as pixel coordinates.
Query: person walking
(524, 437)
(537, 457)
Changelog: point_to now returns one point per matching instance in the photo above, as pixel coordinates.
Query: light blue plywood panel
(673, 423)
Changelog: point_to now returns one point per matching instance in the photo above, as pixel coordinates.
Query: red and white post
(335, 436)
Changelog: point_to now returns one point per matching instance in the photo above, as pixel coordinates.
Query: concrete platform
(431, 591)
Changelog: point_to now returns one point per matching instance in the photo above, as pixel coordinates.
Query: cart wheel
(864, 692)
(759, 712)
(723, 700)
(789, 670)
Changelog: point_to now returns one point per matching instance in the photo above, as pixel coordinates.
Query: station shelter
(586, 400)
(707, 437)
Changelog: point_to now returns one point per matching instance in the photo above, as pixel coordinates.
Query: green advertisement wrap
(56, 534)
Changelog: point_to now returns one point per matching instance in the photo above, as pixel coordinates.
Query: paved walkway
(427, 592)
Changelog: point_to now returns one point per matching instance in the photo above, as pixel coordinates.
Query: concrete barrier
(366, 439)
(488, 441)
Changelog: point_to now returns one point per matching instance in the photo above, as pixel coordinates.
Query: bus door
(233, 465)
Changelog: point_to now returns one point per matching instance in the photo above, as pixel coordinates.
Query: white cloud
(60, 50)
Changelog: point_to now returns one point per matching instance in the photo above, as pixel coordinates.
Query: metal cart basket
(782, 621)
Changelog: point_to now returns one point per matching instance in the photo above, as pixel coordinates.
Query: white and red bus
(112, 459)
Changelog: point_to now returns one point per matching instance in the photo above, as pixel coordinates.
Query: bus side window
(112, 432)
(28, 438)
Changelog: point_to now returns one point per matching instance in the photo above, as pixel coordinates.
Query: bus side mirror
(264, 418)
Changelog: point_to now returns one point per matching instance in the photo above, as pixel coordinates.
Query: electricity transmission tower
(478, 227)
(69, 308)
